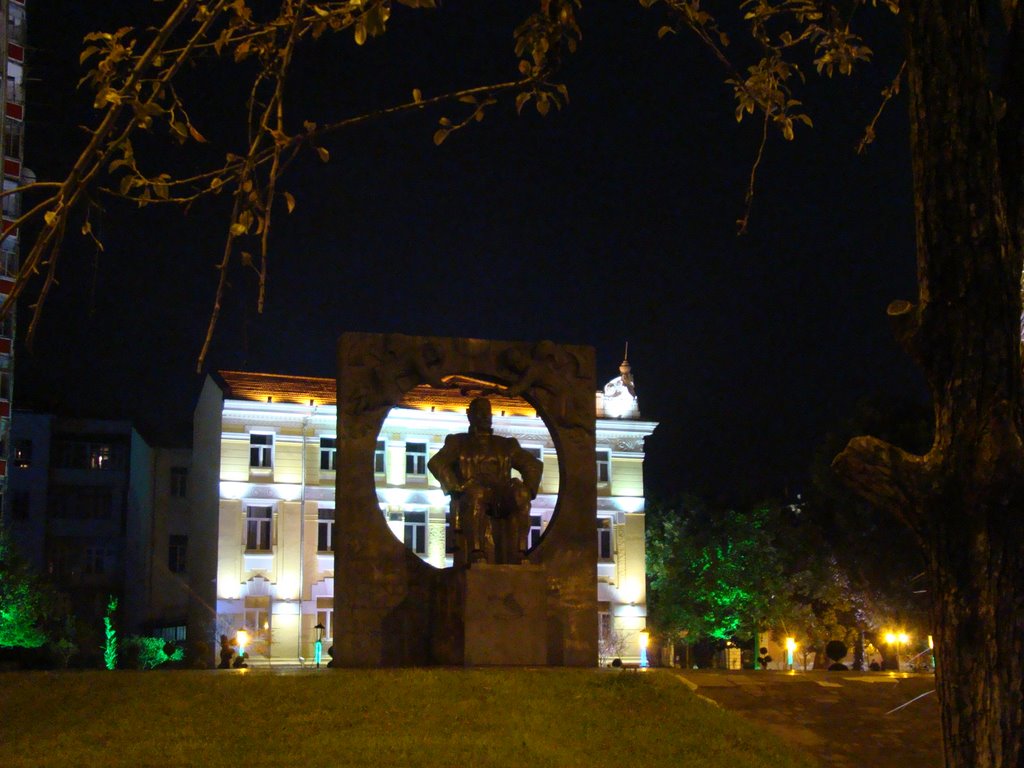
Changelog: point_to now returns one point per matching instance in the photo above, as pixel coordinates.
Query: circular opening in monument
(411, 445)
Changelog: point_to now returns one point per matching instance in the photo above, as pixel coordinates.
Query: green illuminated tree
(713, 575)
(110, 634)
(23, 600)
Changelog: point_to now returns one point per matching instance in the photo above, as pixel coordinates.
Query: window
(94, 503)
(23, 454)
(174, 634)
(7, 326)
(5, 384)
(176, 551)
(86, 454)
(14, 134)
(8, 258)
(325, 530)
(59, 558)
(416, 459)
(261, 451)
(604, 538)
(179, 482)
(257, 621)
(80, 502)
(257, 528)
(416, 532)
(379, 461)
(535, 530)
(20, 504)
(604, 627)
(100, 456)
(328, 453)
(95, 560)
(11, 203)
(603, 466)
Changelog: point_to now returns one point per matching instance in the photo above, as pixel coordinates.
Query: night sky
(610, 221)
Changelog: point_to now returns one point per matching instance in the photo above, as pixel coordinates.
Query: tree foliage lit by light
(110, 645)
(151, 651)
(713, 575)
(21, 601)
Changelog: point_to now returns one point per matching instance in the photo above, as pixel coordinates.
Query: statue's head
(479, 414)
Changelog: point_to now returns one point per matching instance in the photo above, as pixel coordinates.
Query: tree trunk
(965, 498)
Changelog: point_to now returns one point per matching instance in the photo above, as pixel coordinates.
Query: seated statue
(490, 508)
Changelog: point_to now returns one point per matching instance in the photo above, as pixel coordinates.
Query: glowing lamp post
(319, 645)
(898, 639)
(242, 638)
(645, 639)
(790, 647)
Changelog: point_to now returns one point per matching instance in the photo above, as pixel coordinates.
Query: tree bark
(965, 498)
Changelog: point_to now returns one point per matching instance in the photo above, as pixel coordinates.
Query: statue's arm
(529, 466)
(444, 465)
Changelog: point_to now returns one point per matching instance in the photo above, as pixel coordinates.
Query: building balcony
(14, 92)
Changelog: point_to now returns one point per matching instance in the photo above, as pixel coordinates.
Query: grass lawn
(411, 717)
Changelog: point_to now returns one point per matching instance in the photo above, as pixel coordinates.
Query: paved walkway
(845, 719)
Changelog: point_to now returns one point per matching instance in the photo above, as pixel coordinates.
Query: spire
(626, 371)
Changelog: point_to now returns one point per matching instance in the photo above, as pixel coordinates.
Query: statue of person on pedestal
(490, 508)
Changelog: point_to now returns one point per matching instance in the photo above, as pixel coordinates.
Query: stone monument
(499, 605)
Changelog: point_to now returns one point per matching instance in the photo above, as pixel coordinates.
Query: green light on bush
(110, 647)
(21, 601)
(151, 651)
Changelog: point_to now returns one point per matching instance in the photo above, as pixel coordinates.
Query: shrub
(836, 650)
(149, 652)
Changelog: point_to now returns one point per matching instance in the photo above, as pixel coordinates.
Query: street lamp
(897, 639)
(319, 645)
(790, 647)
(645, 639)
(242, 638)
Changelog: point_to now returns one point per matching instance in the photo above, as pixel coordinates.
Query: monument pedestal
(505, 615)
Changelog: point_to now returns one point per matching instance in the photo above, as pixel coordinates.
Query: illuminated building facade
(12, 123)
(263, 498)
